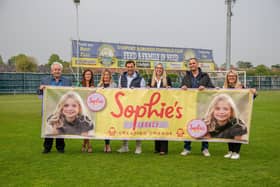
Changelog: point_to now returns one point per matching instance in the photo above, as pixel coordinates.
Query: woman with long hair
(87, 81)
(106, 81)
(160, 80)
(232, 82)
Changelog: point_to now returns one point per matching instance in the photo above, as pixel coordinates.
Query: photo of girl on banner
(70, 117)
(223, 120)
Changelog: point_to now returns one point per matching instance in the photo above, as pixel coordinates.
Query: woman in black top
(232, 82)
(160, 80)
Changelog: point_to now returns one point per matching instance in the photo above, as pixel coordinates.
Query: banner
(147, 114)
(114, 55)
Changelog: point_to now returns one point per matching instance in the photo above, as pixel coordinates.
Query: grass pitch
(23, 164)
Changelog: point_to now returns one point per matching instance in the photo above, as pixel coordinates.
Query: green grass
(23, 164)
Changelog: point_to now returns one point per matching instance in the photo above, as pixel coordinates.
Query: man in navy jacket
(131, 79)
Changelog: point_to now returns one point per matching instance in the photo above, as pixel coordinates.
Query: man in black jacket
(195, 78)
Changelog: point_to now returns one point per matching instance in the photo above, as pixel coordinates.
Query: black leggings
(161, 146)
(234, 147)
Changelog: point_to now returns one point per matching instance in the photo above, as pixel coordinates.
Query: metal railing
(28, 83)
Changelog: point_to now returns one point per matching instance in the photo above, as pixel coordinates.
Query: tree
(65, 64)
(43, 68)
(251, 72)
(275, 67)
(12, 61)
(224, 66)
(54, 58)
(244, 64)
(3, 66)
(262, 70)
(1, 60)
(25, 63)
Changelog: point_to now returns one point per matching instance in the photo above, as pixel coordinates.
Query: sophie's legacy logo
(96, 102)
(197, 128)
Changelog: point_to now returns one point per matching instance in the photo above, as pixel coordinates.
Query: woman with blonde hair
(232, 82)
(106, 81)
(160, 80)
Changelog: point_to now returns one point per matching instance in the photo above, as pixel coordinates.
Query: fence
(26, 83)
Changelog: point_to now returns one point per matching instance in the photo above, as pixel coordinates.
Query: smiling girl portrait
(222, 119)
(70, 117)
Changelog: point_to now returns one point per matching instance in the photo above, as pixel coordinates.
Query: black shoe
(45, 151)
(60, 150)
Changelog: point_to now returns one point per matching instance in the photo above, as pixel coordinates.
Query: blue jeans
(187, 145)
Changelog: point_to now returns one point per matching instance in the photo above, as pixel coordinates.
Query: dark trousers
(187, 145)
(161, 146)
(60, 144)
(234, 147)
(107, 142)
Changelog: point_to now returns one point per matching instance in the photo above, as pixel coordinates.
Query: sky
(40, 28)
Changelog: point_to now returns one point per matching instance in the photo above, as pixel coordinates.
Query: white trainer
(185, 152)
(228, 155)
(138, 150)
(235, 156)
(123, 149)
(206, 153)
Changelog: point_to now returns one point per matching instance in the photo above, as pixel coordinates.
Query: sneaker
(123, 149)
(162, 153)
(138, 150)
(206, 153)
(228, 155)
(235, 156)
(185, 152)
